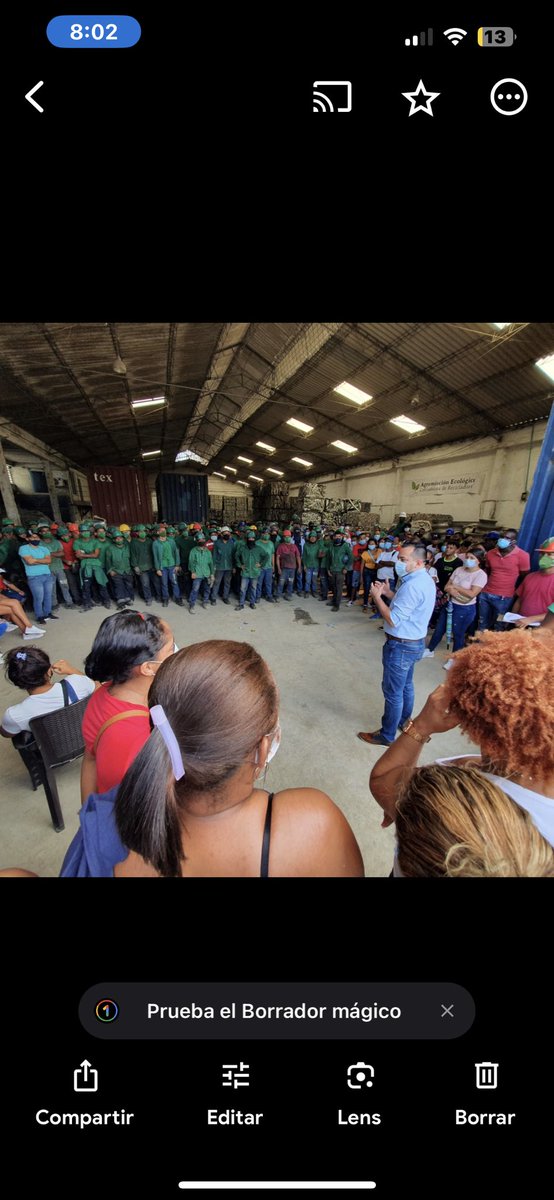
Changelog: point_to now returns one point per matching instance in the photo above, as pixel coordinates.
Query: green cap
(20, 529)
(6, 521)
(62, 530)
(182, 525)
(138, 528)
(84, 527)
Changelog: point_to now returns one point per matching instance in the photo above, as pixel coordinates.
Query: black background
(193, 182)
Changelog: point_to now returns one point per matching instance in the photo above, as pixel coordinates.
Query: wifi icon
(455, 36)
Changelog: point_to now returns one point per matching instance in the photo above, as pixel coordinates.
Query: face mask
(273, 748)
(251, 542)
(503, 543)
(288, 539)
(372, 545)
(338, 541)
(226, 537)
(386, 545)
(546, 561)
(443, 548)
(214, 537)
(400, 568)
(470, 562)
(34, 541)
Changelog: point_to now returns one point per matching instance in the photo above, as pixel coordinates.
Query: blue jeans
(168, 577)
(41, 590)
(248, 587)
(226, 576)
(491, 607)
(265, 577)
(286, 577)
(196, 585)
(145, 585)
(399, 660)
(311, 580)
(462, 617)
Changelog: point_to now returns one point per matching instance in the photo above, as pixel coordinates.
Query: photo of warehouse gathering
(277, 600)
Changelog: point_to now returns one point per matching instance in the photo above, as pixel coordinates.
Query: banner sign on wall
(459, 483)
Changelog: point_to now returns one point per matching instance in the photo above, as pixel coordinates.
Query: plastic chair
(59, 738)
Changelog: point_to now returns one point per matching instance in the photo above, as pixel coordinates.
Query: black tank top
(264, 867)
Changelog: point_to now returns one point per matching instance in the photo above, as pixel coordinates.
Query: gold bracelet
(407, 727)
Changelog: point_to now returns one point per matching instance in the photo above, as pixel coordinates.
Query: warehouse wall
(501, 471)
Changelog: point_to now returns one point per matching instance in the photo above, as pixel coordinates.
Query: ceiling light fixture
(244, 483)
(256, 477)
(265, 446)
(220, 473)
(497, 326)
(153, 401)
(274, 472)
(407, 424)
(352, 393)
(345, 446)
(233, 469)
(190, 456)
(546, 365)
(150, 453)
(241, 458)
(303, 462)
(300, 425)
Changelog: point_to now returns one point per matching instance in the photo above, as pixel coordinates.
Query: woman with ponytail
(189, 805)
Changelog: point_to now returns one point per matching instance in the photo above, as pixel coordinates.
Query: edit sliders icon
(323, 102)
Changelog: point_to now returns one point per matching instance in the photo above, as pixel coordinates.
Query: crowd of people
(173, 793)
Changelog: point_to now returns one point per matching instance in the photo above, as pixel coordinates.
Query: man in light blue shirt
(36, 558)
(406, 623)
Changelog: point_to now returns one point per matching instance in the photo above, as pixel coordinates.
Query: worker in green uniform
(248, 557)
(142, 564)
(118, 567)
(323, 551)
(166, 563)
(267, 559)
(102, 541)
(85, 548)
(201, 571)
(310, 562)
(223, 555)
(185, 543)
(340, 561)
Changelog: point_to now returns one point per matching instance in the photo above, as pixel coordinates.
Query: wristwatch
(408, 727)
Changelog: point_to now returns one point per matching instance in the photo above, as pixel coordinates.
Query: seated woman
(31, 670)
(12, 611)
(500, 691)
(453, 822)
(125, 651)
(188, 805)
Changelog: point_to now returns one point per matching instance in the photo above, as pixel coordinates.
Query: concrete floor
(328, 670)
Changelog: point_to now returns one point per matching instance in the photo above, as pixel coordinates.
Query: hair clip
(21, 654)
(161, 722)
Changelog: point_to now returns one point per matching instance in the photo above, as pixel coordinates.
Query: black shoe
(252, 606)
(287, 597)
(225, 602)
(121, 604)
(335, 608)
(203, 604)
(69, 606)
(165, 603)
(179, 602)
(51, 617)
(40, 621)
(86, 608)
(148, 602)
(239, 607)
(191, 608)
(107, 604)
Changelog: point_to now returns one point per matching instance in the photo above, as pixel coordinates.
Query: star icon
(418, 107)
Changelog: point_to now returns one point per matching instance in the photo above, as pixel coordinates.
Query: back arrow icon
(29, 96)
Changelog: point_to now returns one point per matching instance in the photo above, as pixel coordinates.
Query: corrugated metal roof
(457, 379)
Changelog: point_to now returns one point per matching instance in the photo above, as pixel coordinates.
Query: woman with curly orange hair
(500, 691)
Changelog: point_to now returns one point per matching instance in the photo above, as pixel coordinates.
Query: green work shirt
(310, 554)
(165, 554)
(89, 566)
(141, 554)
(340, 557)
(56, 564)
(102, 545)
(118, 559)
(266, 554)
(249, 560)
(185, 543)
(201, 563)
(223, 554)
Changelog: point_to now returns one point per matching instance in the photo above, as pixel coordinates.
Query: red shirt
(69, 555)
(536, 593)
(504, 570)
(120, 743)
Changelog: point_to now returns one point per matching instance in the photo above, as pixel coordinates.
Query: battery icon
(495, 35)
(486, 1075)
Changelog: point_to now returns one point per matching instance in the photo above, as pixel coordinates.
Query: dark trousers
(369, 577)
(324, 582)
(87, 591)
(143, 577)
(337, 581)
(123, 586)
(220, 575)
(73, 584)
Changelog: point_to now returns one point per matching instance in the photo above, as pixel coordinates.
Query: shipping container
(120, 494)
(182, 497)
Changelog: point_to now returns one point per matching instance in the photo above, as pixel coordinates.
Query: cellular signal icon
(420, 39)
(455, 36)
(321, 102)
